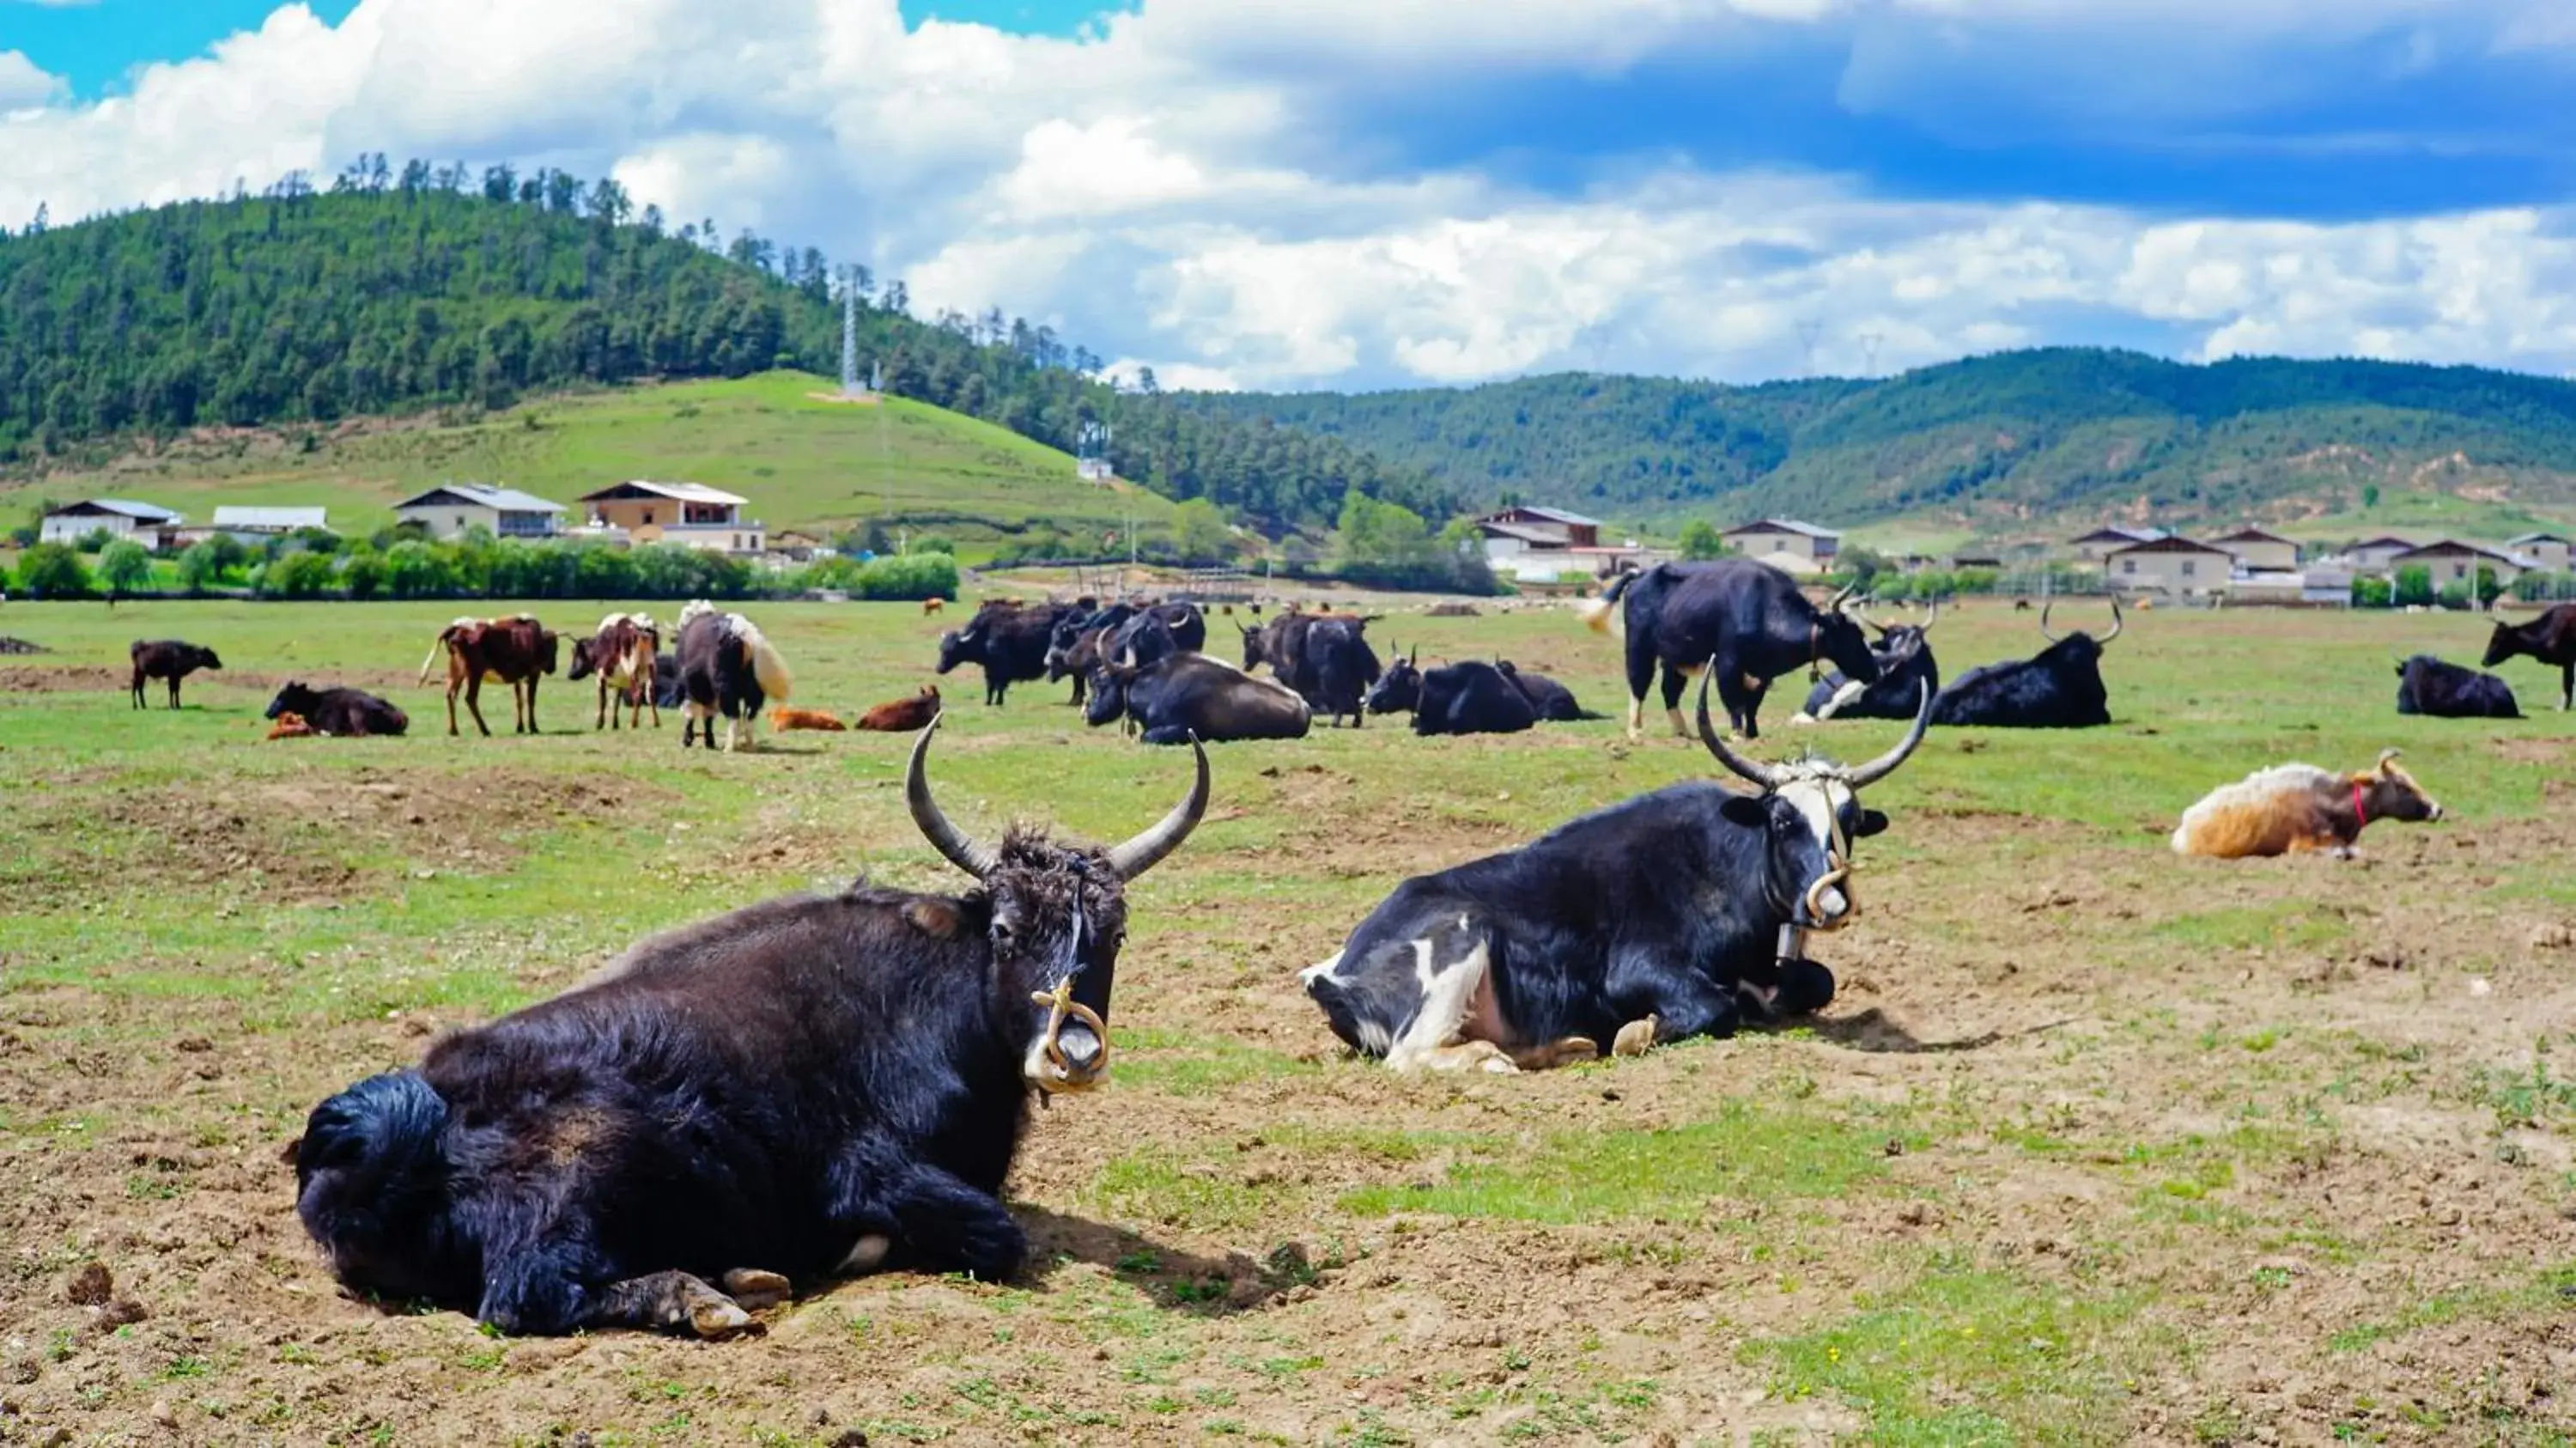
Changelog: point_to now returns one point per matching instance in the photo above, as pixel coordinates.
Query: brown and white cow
(622, 654)
(2293, 808)
(514, 650)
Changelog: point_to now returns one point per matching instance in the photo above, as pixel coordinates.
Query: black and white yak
(1905, 665)
(806, 1088)
(728, 668)
(1679, 913)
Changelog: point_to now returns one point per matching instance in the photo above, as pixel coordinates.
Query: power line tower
(1869, 354)
(1808, 332)
(850, 332)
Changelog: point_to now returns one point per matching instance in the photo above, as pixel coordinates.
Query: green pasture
(150, 858)
(803, 461)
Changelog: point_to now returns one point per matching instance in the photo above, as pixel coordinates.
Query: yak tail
(1603, 614)
(364, 1151)
(435, 650)
(766, 665)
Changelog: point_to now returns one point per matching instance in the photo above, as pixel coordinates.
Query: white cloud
(1167, 192)
(23, 83)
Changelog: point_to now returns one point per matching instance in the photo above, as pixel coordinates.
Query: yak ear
(1748, 811)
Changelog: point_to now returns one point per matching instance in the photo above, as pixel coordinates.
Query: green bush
(1700, 540)
(2454, 595)
(363, 575)
(52, 570)
(299, 575)
(2414, 585)
(199, 568)
(124, 566)
(2372, 593)
(913, 576)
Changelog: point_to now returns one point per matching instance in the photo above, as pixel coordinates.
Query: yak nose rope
(1838, 872)
(1061, 1006)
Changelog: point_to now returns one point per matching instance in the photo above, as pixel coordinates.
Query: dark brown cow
(2550, 638)
(168, 659)
(513, 650)
(903, 716)
(622, 654)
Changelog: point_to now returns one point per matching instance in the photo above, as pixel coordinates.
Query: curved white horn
(955, 845)
(1146, 850)
(1885, 765)
(1750, 769)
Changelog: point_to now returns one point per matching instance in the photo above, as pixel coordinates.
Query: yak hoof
(1634, 1038)
(1567, 1051)
(756, 1290)
(715, 1316)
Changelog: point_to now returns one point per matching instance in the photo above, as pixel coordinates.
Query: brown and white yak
(2294, 808)
(727, 667)
(622, 655)
(514, 650)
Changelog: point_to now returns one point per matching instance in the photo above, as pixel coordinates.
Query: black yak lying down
(810, 1086)
(2426, 685)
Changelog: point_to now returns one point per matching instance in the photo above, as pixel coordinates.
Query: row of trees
(412, 568)
(422, 285)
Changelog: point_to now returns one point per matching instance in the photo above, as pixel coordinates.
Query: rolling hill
(805, 462)
(299, 310)
(2001, 446)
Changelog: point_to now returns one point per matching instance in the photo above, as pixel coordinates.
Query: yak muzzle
(1071, 1051)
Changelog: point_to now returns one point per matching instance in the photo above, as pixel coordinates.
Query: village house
(691, 515)
(1767, 536)
(2259, 551)
(2172, 565)
(2372, 555)
(1535, 544)
(449, 509)
(257, 523)
(145, 523)
(2544, 552)
(2101, 543)
(2451, 561)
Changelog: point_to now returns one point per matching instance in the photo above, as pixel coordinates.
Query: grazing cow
(1675, 914)
(784, 720)
(346, 713)
(1073, 649)
(810, 1087)
(1008, 638)
(624, 654)
(1191, 696)
(1905, 664)
(902, 716)
(2059, 688)
(1472, 697)
(291, 726)
(2293, 808)
(2426, 685)
(1325, 657)
(727, 667)
(2548, 639)
(932, 604)
(167, 659)
(1748, 617)
(514, 650)
(1554, 702)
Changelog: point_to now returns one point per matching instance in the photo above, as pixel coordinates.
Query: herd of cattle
(839, 1082)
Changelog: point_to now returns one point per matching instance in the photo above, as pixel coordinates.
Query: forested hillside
(392, 293)
(1990, 443)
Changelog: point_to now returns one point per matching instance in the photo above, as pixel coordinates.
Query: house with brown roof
(2173, 565)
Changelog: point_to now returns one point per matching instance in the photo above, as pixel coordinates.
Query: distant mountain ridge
(2015, 442)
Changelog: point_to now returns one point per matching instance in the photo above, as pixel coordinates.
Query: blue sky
(1380, 192)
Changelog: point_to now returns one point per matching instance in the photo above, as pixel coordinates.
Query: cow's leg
(453, 684)
(138, 689)
(605, 719)
(474, 702)
(677, 1302)
(1740, 701)
(174, 691)
(1747, 721)
(1680, 1001)
(1675, 680)
(2566, 687)
(1570, 1051)
(1641, 677)
(942, 1221)
(532, 705)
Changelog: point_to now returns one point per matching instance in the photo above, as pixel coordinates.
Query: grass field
(2098, 1146)
(802, 461)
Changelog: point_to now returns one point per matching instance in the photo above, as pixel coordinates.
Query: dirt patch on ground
(2251, 1112)
(67, 679)
(307, 841)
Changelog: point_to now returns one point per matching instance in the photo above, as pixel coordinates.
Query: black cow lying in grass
(2426, 685)
(345, 712)
(1675, 914)
(807, 1087)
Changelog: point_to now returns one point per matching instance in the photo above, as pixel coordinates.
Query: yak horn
(954, 845)
(1753, 770)
(2043, 622)
(2117, 622)
(1935, 616)
(1143, 852)
(1885, 765)
(2388, 757)
(1835, 604)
